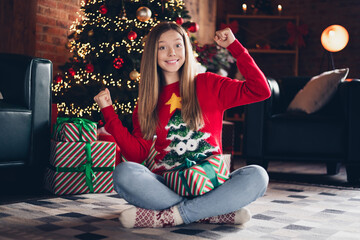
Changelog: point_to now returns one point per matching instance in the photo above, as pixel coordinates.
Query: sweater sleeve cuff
(108, 113)
(236, 48)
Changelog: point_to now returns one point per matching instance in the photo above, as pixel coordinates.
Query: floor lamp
(334, 39)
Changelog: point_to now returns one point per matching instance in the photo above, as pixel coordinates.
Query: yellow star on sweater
(174, 102)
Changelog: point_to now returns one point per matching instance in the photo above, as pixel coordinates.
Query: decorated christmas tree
(107, 43)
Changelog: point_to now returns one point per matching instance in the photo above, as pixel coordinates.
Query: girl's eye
(161, 48)
(178, 45)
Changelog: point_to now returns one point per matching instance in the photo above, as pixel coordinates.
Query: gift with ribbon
(80, 167)
(74, 130)
(197, 176)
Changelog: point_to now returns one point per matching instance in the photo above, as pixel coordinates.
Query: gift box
(109, 138)
(74, 130)
(198, 179)
(80, 167)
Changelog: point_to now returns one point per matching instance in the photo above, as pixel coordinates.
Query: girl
(185, 112)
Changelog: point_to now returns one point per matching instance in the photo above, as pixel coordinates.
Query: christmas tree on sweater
(185, 143)
(107, 43)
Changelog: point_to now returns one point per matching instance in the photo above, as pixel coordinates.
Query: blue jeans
(142, 188)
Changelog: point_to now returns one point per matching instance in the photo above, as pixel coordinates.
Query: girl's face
(171, 52)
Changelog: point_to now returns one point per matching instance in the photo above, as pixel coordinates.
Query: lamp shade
(334, 38)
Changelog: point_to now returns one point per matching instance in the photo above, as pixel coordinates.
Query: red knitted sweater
(175, 141)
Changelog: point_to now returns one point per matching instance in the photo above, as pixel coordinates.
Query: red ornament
(179, 20)
(193, 27)
(132, 35)
(58, 78)
(118, 63)
(71, 72)
(89, 68)
(103, 9)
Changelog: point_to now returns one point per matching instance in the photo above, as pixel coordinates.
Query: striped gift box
(75, 130)
(81, 167)
(200, 178)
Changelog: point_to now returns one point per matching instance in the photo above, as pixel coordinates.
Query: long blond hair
(150, 83)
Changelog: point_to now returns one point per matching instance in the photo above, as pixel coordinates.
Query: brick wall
(53, 20)
(203, 12)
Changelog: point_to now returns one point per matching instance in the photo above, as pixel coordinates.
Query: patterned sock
(142, 218)
(240, 216)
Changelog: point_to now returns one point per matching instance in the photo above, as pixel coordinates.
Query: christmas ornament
(179, 20)
(58, 78)
(91, 33)
(143, 14)
(71, 72)
(132, 35)
(103, 9)
(193, 27)
(134, 75)
(118, 63)
(89, 68)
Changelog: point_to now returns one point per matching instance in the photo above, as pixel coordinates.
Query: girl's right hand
(103, 99)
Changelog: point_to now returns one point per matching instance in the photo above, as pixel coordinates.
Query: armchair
(330, 135)
(25, 84)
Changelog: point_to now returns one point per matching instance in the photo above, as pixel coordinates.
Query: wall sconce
(334, 39)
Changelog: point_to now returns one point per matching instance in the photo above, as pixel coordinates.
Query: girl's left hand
(224, 37)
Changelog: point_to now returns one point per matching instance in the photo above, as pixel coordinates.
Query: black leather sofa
(25, 115)
(330, 135)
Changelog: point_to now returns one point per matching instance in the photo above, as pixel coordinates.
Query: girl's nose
(171, 52)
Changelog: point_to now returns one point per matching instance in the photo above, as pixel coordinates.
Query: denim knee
(260, 176)
(123, 175)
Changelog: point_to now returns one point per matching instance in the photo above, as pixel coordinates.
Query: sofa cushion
(318, 91)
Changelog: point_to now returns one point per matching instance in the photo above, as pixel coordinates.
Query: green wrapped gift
(74, 130)
(196, 178)
(81, 167)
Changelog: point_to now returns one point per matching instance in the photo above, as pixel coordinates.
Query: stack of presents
(79, 162)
